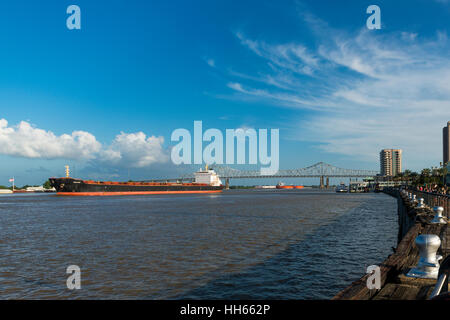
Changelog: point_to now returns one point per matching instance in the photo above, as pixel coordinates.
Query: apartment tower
(390, 162)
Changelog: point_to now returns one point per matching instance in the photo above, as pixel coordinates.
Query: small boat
(341, 188)
(265, 187)
(281, 185)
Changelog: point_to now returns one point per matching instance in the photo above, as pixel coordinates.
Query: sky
(105, 99)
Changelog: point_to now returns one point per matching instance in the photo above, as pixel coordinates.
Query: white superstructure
(207, 176)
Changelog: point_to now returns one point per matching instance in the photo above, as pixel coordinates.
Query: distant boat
(5, 191)
(341, 188)
(281, 185)
(265, 187)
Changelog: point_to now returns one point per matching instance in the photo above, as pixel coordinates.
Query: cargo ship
(281, 185)
(205, 181)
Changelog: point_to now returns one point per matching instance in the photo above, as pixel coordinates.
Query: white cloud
(210, 62)
(126, 150)
(135, 150)
(26, 141)
(370, 90)
(292, 56)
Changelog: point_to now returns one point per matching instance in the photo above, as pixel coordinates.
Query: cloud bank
(133, 150)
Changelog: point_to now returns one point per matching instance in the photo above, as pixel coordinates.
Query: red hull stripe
(290, 187)
(127, 193)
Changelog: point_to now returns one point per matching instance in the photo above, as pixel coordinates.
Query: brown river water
(241, 244)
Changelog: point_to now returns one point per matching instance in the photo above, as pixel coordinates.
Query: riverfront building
(390, 162)
(446, 142)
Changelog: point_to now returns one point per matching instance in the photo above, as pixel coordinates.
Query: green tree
(407, 173)
(47, 185)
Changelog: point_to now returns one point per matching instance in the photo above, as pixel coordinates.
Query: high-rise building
(390, 162)
(446, 142)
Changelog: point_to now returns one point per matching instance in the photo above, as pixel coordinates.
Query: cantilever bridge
(320, 170)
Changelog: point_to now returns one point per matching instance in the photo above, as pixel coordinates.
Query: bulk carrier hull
(78, 187)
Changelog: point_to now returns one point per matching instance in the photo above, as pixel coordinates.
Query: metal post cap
(438, 218)
(428, 265)
(421, 205)
(438, 210)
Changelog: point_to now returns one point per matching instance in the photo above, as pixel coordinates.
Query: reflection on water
(252, 244)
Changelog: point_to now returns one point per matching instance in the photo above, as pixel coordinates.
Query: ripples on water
(252, 244)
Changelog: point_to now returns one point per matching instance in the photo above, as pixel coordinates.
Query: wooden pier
(395, 285)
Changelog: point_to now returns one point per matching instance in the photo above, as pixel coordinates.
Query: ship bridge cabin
(207, 176)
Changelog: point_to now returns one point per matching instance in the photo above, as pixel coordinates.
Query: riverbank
(395, 285)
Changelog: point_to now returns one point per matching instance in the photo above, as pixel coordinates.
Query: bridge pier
(227, 184)
(328, 182)
(321, 182)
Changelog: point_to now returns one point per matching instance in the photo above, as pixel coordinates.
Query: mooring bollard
(428, 265)
(421, 205)
(438, 217)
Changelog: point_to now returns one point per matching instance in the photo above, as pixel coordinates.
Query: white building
(390, 162)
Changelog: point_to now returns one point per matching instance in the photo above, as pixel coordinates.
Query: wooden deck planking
(395, 284)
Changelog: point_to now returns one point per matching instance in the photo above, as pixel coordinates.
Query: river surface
(241, 244)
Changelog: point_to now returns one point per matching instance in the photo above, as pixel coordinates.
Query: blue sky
(137, 70)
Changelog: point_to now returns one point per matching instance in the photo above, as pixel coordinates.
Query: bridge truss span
(320, 169)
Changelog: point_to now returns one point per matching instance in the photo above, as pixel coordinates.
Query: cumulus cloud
(126, 150)
(135, 150)
(26, 141)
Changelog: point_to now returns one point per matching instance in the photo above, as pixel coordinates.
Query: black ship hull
(77, 187)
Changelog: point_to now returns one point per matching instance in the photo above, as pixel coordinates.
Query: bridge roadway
(319, 170)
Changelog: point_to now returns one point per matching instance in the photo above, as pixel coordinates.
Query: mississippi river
(243, 244)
